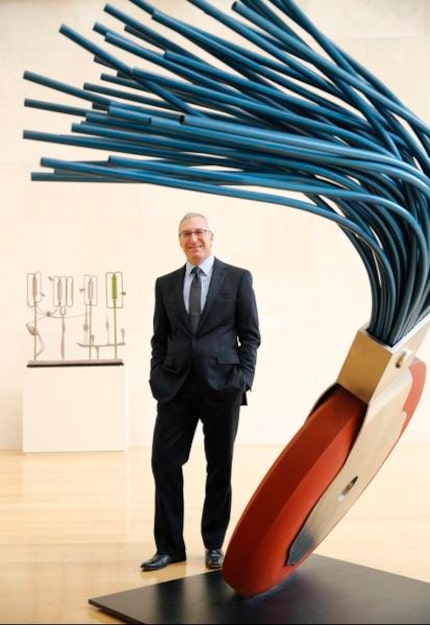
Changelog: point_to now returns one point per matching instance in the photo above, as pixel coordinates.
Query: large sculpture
(284, 116)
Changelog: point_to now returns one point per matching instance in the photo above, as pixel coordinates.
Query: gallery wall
(311, 286)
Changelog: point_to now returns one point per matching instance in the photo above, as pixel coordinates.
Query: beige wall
(311, 286)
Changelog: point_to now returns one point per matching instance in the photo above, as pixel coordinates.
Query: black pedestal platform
(322, 590)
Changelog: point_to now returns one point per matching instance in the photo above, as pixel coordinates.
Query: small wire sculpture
(62, 298)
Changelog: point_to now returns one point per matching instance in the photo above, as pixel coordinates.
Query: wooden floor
(77, 525)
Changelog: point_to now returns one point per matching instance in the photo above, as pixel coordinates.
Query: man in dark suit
(198, 374)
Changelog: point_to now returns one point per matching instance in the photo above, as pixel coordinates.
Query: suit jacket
(223, 351)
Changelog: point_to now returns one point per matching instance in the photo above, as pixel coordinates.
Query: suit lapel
(218, 275)
(178, 288)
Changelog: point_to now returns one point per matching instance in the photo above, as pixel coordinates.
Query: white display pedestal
(75, 406)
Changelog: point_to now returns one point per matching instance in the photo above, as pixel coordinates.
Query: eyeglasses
(187, 234)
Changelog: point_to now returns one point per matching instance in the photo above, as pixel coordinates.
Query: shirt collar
(206, 266)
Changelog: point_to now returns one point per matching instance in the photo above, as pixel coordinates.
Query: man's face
(195, 239)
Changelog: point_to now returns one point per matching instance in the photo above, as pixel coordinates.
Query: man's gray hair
(190, 216)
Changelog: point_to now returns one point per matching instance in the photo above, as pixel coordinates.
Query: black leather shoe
(214, 558)
(160, 560)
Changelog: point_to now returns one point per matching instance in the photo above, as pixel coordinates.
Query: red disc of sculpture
(257, 556)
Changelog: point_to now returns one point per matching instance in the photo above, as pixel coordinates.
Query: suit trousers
(174, 430)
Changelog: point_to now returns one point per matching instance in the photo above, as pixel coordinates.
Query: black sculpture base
(322, 590)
